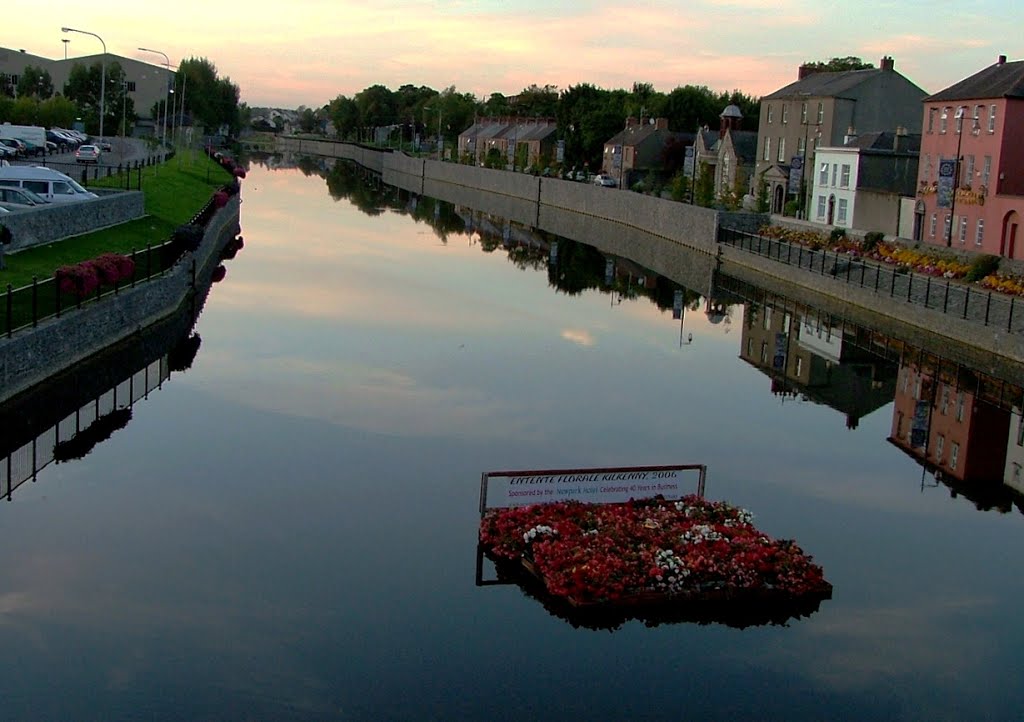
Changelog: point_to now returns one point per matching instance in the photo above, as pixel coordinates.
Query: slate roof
(826, 85)
(995, 81)
(882, 142)
(744, 142)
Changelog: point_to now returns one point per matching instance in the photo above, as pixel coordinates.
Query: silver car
(21, 197)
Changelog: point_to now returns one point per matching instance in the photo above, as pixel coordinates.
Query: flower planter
(654, 555)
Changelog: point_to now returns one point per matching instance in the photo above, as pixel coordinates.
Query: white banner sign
(502, 489)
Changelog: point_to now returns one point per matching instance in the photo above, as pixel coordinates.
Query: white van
(51, 185)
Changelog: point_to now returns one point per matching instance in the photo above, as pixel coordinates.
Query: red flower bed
(650, 550)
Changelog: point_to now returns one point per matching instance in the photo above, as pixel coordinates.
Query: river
(286, 529)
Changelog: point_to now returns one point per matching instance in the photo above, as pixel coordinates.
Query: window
(1020, 430)
(976, 121)
(917, 388)
(944, 120)
(764, 352)
(992, 119)
(803, 112)
(960, 406)
(844, 177)
(939, 443)
(769, 114)
(944, 407)
(979, 233)
(782, 150)
(799, 365)
(130, 87)
(41, 187)
(822, 206)
(821, 113)
(934, 224)
(750, 347)
(62, 188)
(785, 113)
(963, 229)
(801, 146)
(969, 174)
(767, 318)
(932, 112)
(928, 167)
(986, 170)
(947, 226)
(823, 175)
(959, 117)
(954, 455)
(835, 174)
(725, 171)
(767, 149)
(841, 216)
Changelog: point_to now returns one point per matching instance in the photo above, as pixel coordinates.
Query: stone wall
(32, 355)
(38, 226)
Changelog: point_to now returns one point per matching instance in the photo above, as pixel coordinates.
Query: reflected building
(807, 356)
(948, 427)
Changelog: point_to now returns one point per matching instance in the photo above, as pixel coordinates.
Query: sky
(307, 52)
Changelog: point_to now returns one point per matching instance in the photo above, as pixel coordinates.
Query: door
(779, 202)
(831, 209)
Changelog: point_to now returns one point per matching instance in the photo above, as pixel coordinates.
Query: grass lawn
(174, 192)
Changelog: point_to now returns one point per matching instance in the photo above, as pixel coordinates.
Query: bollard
(1009, 321)
(35, 302)
(10, 310)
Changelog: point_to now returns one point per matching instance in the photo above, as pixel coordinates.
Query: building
(639, 147)
(971, 179)
(523, 142)
(728, 156)
(862, 183)
(819, 109)
(148, 84)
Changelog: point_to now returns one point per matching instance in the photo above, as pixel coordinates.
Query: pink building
(977, 202)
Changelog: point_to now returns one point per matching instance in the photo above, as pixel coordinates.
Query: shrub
(871, 241)
(80, 279)
(982, 266)
(837, 235)
(791, 208)
(187, 237)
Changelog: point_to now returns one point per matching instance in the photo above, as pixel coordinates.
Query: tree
(83, 88)
(344, 113)
(690, 107)
(307, 119)
(376, 106)
(497, 105)
(704, 189)
(850, 62)
(35, 82)
(536, 102)
(210, 100)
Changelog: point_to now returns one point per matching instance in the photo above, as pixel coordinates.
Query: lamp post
(959, 116)
(65, 41)
(167, 66)
(181, 105)
(103, 69)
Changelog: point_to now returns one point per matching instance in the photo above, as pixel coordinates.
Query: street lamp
(65, 41)
(103, 69)
(167, 66)
(959, 115)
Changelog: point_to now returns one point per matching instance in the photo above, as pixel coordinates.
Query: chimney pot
(1002, 60)
(887, 63)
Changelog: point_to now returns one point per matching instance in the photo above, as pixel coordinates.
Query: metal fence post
(927, 291)
(1009, 321)
(10, 310)
(967, 301)
(35, 301)
(910, 283)
(945, 301)
(988, 307)
(892, 288)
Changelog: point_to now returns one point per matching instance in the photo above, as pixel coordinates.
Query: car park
(20, 151)
(87, 154)
(48, 183)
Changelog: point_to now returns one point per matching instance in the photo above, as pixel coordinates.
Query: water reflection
(953, 419)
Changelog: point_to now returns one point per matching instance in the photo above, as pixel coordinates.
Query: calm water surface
(287, 530)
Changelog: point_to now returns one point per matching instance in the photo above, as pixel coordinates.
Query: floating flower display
(649, 551)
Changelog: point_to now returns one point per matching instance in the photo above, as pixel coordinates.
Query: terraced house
(971, 179)
(824, 109)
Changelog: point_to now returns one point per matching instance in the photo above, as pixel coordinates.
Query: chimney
(1001, 60)
(661, 124)
(632, 122)
(887, 64)
(899, 139)
(804, 71)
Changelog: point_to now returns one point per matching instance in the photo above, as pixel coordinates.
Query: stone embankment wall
(54, 222)
(31, 356)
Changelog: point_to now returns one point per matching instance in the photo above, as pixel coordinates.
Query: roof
(731, 111)
(1002, 80)
(826, 85)
(884, 141)
(633, 135)
(31, 172)
(744, 142)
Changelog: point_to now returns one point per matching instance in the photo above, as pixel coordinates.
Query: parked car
(104, 146)
(50, 184)
(88, 154)
(21, 197)
(31, 148)
(15, 145)
(605, 180)
(51, 147)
